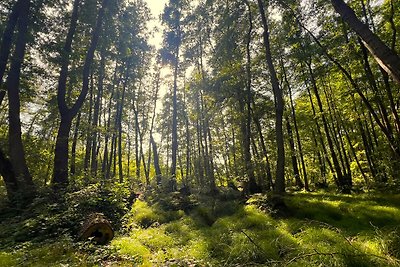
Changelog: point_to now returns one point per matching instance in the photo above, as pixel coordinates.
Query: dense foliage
(200, 112)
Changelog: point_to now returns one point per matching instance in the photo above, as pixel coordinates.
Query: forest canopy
(260, 95)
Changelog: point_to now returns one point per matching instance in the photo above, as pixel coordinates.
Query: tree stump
(98, 227)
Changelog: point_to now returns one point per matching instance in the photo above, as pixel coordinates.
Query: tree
(60, 173)
(385, 56)
(172, 39)
(6, 41)
(16, 149)
(278, 94)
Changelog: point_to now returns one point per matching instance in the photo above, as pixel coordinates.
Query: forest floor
(319, 229)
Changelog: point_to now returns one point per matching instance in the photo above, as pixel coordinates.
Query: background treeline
(258, 94)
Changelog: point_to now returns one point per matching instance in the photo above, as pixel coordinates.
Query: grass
(320, 229)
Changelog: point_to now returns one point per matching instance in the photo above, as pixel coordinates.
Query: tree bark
(269, 181)
(60, 174)
(299, 146)
(74, 143)
(296, 171)
(385, 56)
(119, 124)
(16, 148)
(96, 112)
(343, 186)
(174, 145)
(156, 160)
(253, 186)
(393, 144)
(278, 94)
(6, 41)
(6, 171)
(88, 147)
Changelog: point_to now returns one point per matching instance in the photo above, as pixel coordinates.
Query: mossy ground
(320, 229)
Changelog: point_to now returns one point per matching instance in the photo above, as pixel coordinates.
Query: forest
(199, 133)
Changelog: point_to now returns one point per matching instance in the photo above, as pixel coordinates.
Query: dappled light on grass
(320, 230)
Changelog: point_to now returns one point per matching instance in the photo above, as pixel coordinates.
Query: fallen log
(97, 227)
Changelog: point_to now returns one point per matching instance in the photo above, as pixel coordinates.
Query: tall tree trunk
(6, 171)
(377, 94)
(74, 143)
(60, 174)
(345, 188)
(393, 144)
(278, 94)
(156, 160)
(321, 141)
(207, 156)
(152, 143)
(174, 145)
(188, 151)
(96, 112)
(296, 172)
(385, 56)
(269, 181)
(253, 186)
(105, 166)
(16, 148)
(296, 128)
(140, 144)
(299, 147)
(6, 41)
(200, 149)
(88, 147)
(119, 123)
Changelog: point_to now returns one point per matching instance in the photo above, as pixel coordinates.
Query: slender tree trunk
(377, 94)
(188, 152)
(299, 183)
(296, 128)
(139, 139)
(174, 145)
(88, 147)
(111, 157)
(343, 186)
(253, 186)
(200, 153)
(16, 148)
(321, 141)
(96, 112)
(278, 94)
(385, 56)
(119, 124)
(60, 174)
(74, 143)
(156, 160)
(269, 181)
(106, 164)
(213, 187)
(207, 156)
(152, 143)
(393, 144)
(296, 172)
(6, 41)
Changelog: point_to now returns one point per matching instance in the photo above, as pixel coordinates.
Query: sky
(156, 7)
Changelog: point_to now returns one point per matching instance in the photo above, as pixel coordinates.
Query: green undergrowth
(318, 229)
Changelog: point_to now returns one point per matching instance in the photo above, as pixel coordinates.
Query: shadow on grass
(352, 214)
(323, 230)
